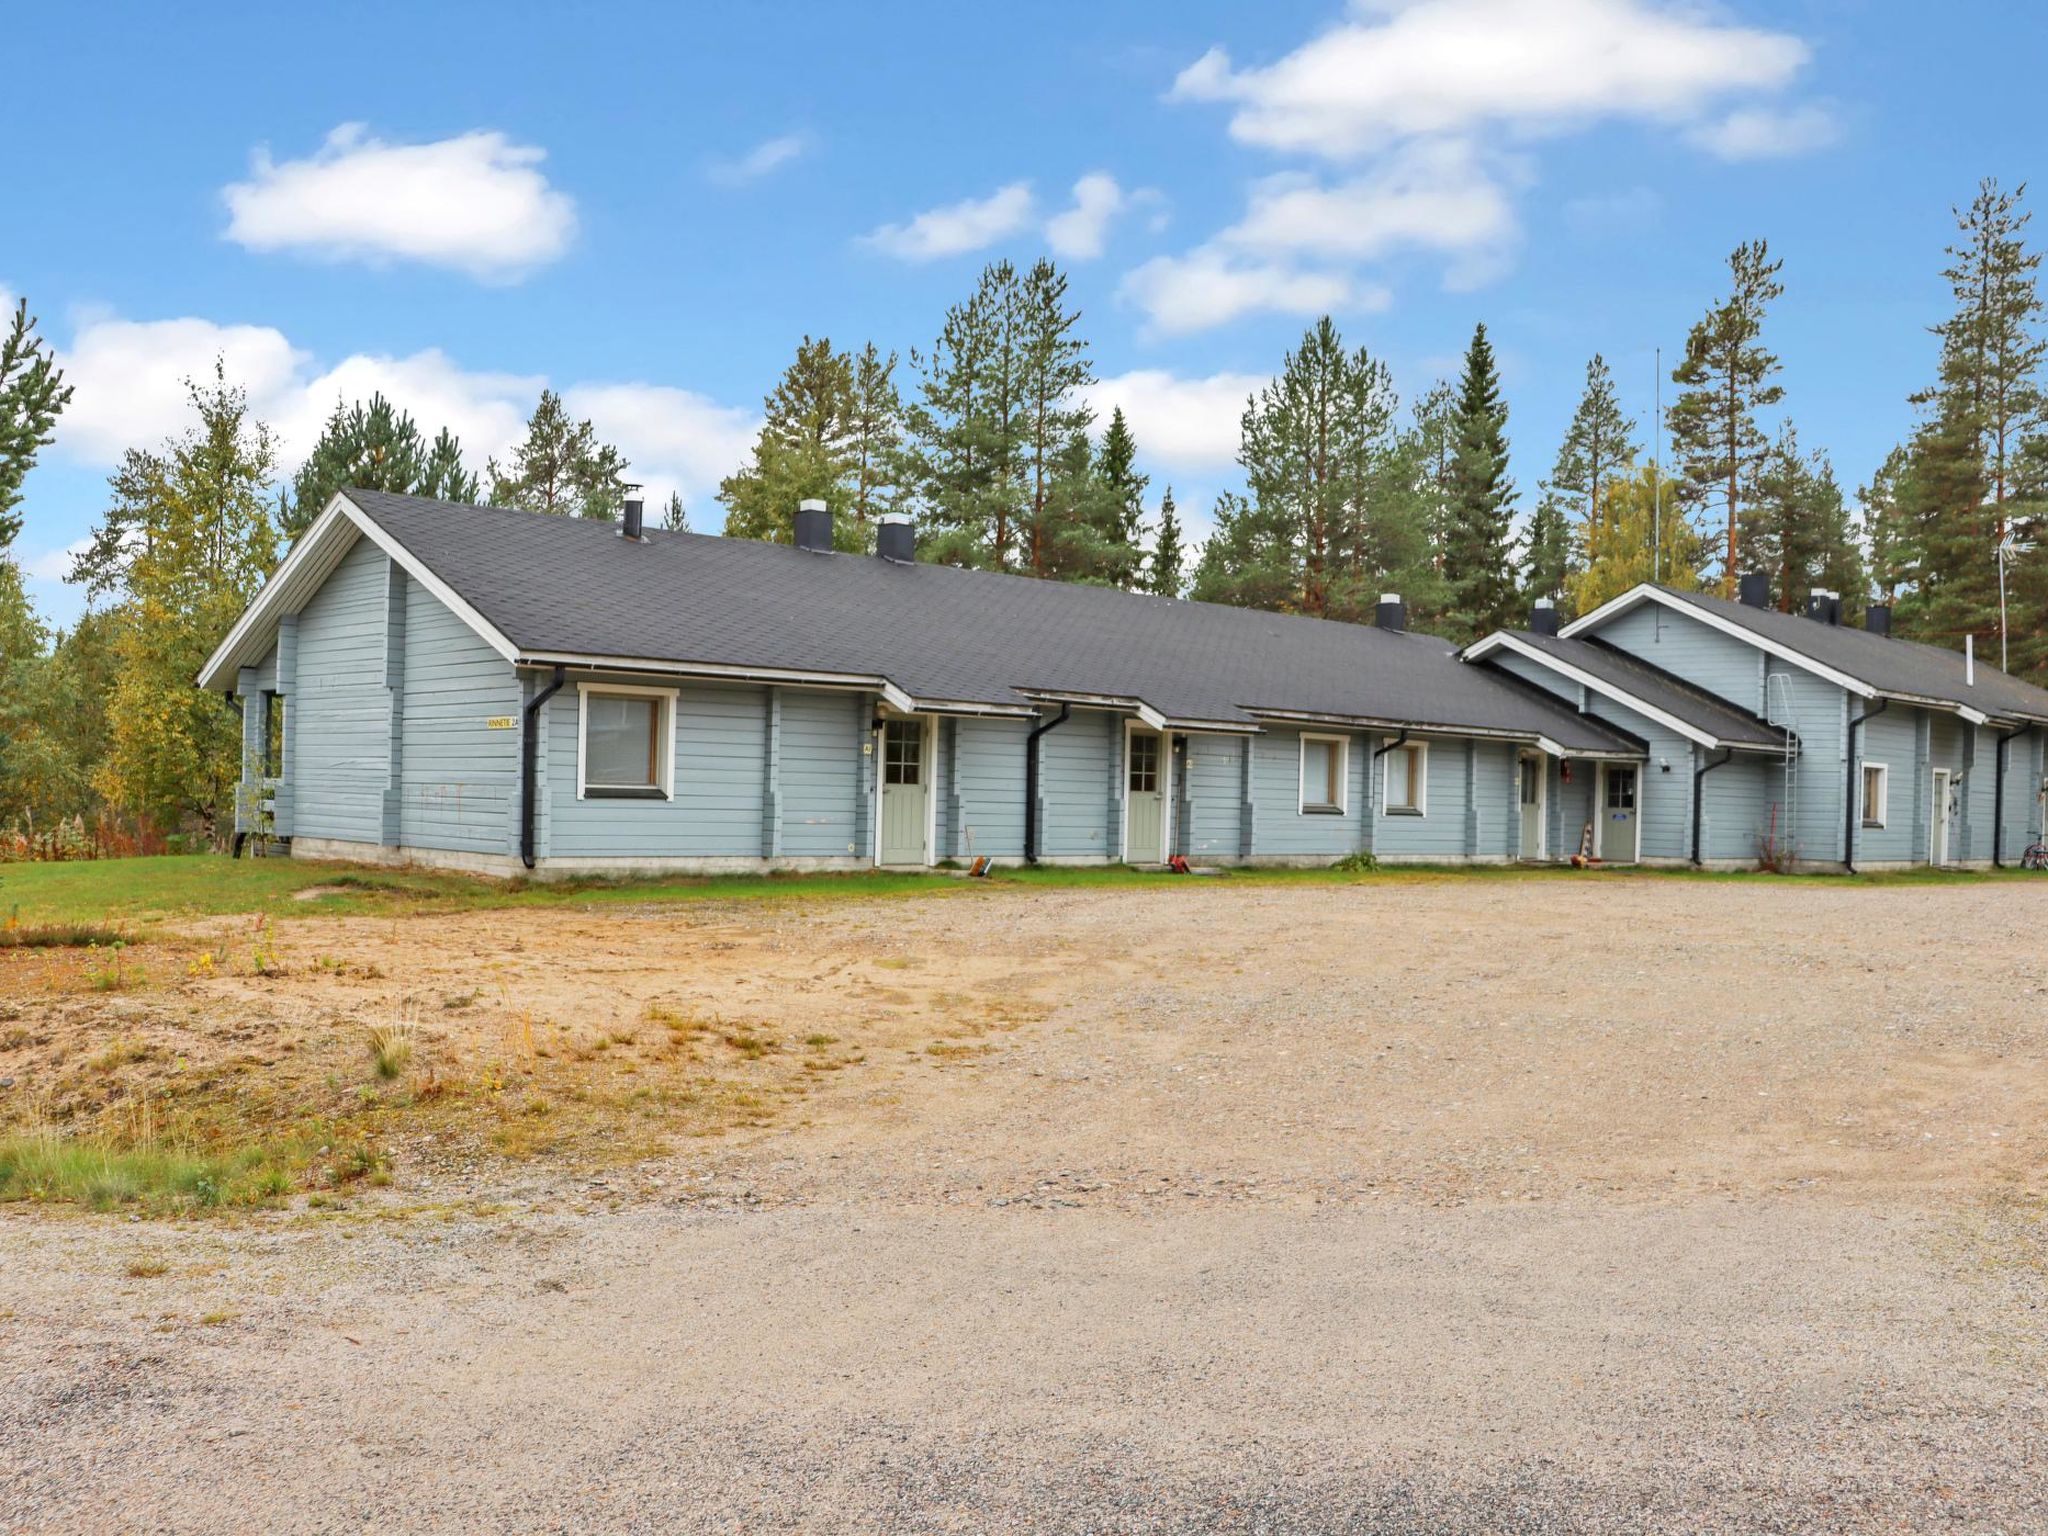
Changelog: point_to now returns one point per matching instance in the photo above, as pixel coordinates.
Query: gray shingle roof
(556, 585)
(1887, 664)
(1639, 679)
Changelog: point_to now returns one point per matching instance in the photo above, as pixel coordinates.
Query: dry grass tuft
(391, 1045)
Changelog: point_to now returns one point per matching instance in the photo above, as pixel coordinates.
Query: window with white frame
(625, 743)
(1323, 768)
(1407, 787)
(1876, 793)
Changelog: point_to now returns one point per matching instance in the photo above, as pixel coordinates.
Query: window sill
(1873, 826)
(1403, 810)
(1322, 810)
(624, 794)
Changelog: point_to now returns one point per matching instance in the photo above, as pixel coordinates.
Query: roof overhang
(1501, 640)
(312, 560)
(717, 671)
(1122, 703)
(1429, 728)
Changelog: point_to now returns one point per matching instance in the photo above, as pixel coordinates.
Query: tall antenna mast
(1657, 477)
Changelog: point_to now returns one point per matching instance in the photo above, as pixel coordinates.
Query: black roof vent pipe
(1877, 618)
(896, 538)
(1543, 618)
(814, 527)
(1835, 609)
(1754, 590)
(1392, 613)
(633, 524)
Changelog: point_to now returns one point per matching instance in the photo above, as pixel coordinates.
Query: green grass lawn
(135, 894)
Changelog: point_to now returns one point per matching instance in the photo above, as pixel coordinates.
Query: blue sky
(648, 206)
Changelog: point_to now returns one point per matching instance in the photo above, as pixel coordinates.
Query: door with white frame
(1146, 772)
(1535, 797)
(1620, 826)
(906, 809)
(1937, 838)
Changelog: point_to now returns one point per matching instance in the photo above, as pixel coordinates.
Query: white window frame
(1302, 805)
(1884, 795)
(664, 739)
(1420, 783)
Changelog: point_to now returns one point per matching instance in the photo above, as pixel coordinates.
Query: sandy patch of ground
(1410, 1205)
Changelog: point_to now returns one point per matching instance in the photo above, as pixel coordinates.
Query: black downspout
(529, 748)
(1849, 813)
(1031, 782)
(235, 850)
(1383, 751)
(1998, 798)
(1699, 774)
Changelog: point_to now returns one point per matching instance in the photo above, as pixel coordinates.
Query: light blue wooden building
(471, 687)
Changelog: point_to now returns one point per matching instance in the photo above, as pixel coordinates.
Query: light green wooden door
(1145, 800)
(1618, 815)
(904, 787)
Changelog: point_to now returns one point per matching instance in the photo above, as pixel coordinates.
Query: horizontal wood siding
(1893, 738)
(1079, 765)
(1820, 713)
(1533, 672)
(1735, 803)
(1663, 799)
(459, 774)
(988, 789)
(1284, 829)
(1214, 794)
(340, 707)
(822, 737)
(1442, 832)
(720, 771)
(1700, 654)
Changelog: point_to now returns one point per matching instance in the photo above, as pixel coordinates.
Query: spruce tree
(1894, 541)
(1478, 554)
(1725, 379)
(1119, 548)
(673, 517)
(1249, 560)
(1599, 445)
(561, 468)
(1797, 528)
(1163, 573)
(963, 466)
(33, 395)
(443, 476)
(874, 424)
(1548, 560)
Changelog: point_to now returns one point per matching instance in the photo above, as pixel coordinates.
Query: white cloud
(675, 439)
(958, 227)
(477, 203)
(130, 377)
(768, 156)
(1401, 69)
(55, 564)
(1433, 195)
(1767, 133)
(1209, 287)
(1079, 233)
(1181, 424)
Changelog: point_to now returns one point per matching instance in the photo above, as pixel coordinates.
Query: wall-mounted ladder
(1778, 711)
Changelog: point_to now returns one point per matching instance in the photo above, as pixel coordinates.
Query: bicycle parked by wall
(2036, 857)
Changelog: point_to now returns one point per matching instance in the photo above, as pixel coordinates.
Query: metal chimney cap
(1544, 602)
(1390, 597)
(888, 519)
(811, 504)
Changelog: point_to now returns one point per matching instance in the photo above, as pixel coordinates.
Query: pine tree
(443, 476)
(1945, 495)
(1163, 573)
(1725, 380)
(1894, 542)
(1598, 447)
(1061, 528)
(185, 544)
(1478, 555)
(33, 395)
(1991, 351)
(1797, 528)
(875, 431)
(673, 517)
(561, 468)
(1249, 560)
(963, 467)
(1123, 505)
(804, 452)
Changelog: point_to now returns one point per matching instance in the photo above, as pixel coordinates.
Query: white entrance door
(1937, 852)
(1145, 798)
(1534, 795)
(905, 776)
(1618, 829)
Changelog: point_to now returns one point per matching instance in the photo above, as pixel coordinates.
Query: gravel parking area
(1423, 1204)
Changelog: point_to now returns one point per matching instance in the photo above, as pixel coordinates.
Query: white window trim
(1884, 794)
(664, 735)
(1421, 785)
(1302, 804)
